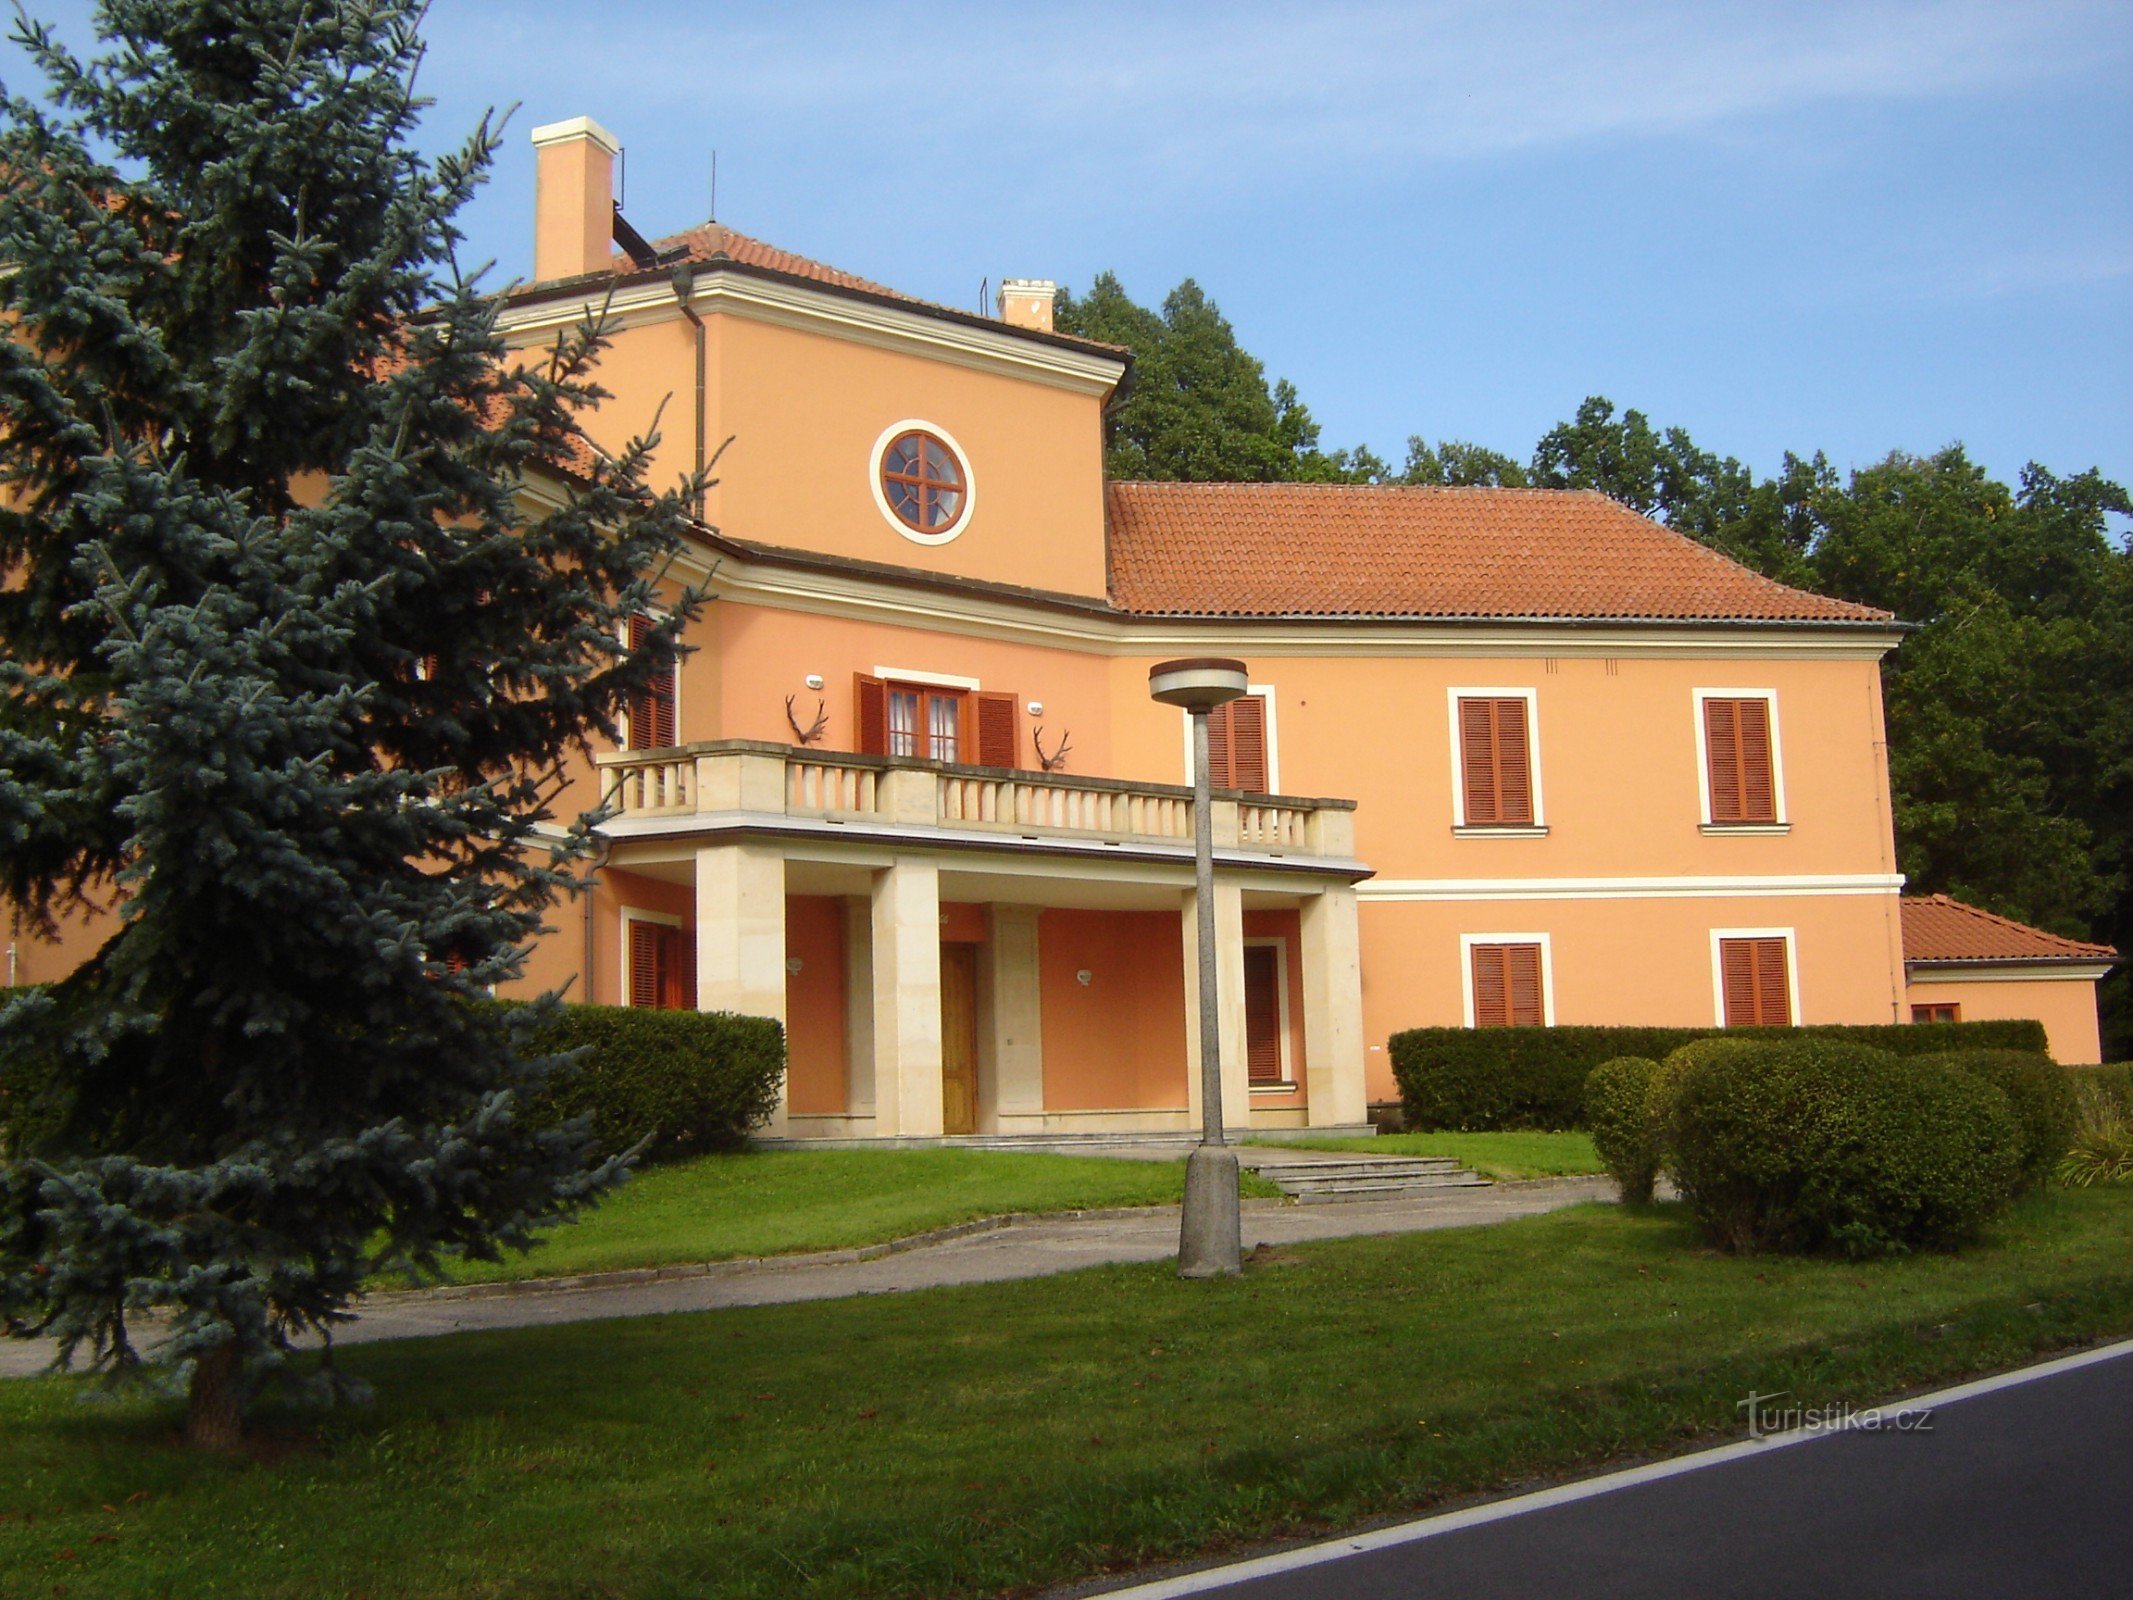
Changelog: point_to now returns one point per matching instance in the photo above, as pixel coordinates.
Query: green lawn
(974, 1441)
(774, 1202)
(1493, 1155)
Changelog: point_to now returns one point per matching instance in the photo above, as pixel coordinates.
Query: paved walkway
(1031, 1248)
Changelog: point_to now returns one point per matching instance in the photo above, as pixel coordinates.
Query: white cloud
(1171, 98)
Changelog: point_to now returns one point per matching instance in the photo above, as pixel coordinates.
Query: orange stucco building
(1510, 756)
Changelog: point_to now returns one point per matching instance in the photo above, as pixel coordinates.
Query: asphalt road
(2025, 1491)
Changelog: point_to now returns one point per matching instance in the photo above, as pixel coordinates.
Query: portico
(959, 950)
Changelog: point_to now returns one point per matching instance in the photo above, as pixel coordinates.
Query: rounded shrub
(1618, 1110)
(678, 1082)
(2039, 1092)
(1821, 1145)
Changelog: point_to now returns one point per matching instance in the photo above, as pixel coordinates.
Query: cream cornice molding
(1070, 853)
(863, 597)
(1700, 886)
(724, 290)
(2069, 969)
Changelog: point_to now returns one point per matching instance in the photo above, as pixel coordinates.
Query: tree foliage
(289, 671)
(1200, 408)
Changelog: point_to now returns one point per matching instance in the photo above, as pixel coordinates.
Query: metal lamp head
(1198, 683)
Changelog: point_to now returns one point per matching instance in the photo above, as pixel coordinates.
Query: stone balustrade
(735, 775)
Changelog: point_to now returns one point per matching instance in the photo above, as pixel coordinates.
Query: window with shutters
(659, 964)
(1265, 1016)
(652, 722)
(1754, 978)
(933, 722)
(1237, 746)
(1742, 784)
(1937, 1011)
(1507, 981)
(1496, 773)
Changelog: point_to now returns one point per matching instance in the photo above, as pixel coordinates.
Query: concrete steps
(1329, 1178)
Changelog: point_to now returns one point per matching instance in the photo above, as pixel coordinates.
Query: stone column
(1333, 1008)
(907, 1000)
(858, 1006)
(1229, 993)
(740, 937)
(1011, 1015)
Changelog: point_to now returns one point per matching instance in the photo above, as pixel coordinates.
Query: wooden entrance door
(1262, 1015)
(959, 1038)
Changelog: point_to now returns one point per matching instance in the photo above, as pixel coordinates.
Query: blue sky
(1849, 226)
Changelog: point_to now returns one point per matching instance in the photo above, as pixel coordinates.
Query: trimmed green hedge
(691, 1081)
(1489, 1078)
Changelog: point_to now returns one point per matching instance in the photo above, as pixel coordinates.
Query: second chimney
(1027, 302)
(573, 198)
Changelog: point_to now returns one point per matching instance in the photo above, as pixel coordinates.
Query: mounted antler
(812, 732)
(1057, 759)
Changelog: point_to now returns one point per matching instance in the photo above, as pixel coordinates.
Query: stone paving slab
(1030, 1248)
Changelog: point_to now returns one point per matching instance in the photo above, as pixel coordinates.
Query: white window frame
(634, 914)
(629, 732)
(889, 436)
(1288, 1083)
(1793, 1010)
(1769, 697)
(1265, 691)
(1508, 830)
(1467, 941)
(928, 680)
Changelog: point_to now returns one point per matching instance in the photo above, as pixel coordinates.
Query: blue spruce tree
(290, 672)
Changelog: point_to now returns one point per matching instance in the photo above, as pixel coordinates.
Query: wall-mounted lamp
(1084, 977)
(1036, 708)
(814, 680)
(793, 964)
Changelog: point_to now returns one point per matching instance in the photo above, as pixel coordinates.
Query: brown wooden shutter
(1218, 748)
(871, 716)
(1523, 984)
(1758, 988)
(1247, 744)
(1514, 767)
(997, 743)
(1262, 1013)
(1758, 791)
(1496, 762)
(1492, 1007)
(1236, 745)
(1773, 999)
(1477, 729)
(1722, 745)
(652, 712)
(645, 976)
(681, 969)
(1507, 986)
(1737, 745)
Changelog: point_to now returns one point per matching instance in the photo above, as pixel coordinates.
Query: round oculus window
(924, 484)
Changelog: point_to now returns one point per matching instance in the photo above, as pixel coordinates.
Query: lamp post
(1210, 1235)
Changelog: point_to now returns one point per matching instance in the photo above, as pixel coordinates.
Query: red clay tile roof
(1936, 928)
(1337, 550)
(714, 241)
(711, 242)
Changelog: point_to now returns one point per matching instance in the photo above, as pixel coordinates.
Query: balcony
(730, 782)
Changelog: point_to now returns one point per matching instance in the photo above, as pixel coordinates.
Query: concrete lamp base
(1211, 1234)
